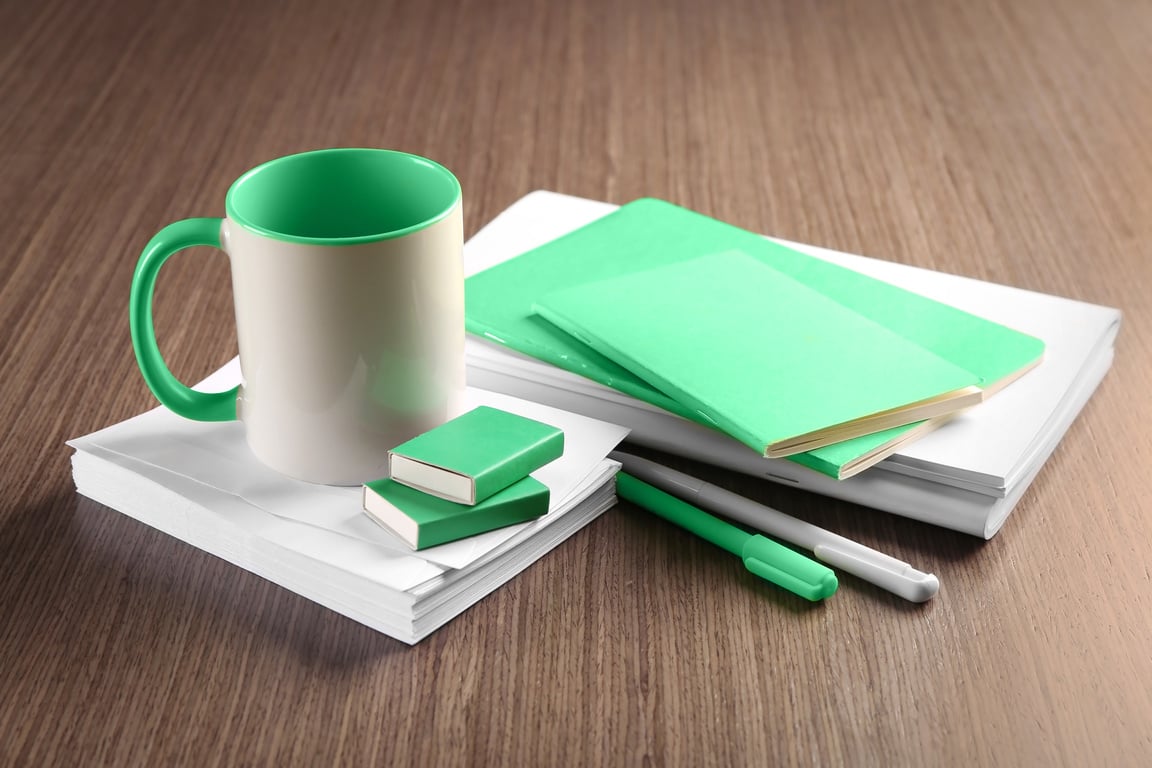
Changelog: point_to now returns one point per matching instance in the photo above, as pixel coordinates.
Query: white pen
(886, 572)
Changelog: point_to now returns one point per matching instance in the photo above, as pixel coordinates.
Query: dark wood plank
(1003, 140)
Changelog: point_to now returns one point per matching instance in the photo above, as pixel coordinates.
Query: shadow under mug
(348, 288)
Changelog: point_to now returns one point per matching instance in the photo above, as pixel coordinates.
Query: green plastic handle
(201, 406)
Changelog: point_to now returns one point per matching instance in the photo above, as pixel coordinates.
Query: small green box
(470, 458)
(426, 521)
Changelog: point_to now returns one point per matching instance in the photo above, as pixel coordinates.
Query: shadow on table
(74, 566)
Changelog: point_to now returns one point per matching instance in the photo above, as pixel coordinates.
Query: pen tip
(925, 589)
(828, 585)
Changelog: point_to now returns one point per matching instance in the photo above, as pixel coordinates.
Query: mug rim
(251, 226)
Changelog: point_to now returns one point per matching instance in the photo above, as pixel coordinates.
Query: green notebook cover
(648, 233)
(766, 359)
(426, 521)
(471, 457)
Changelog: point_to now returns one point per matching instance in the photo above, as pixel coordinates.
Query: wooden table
(1008, 140)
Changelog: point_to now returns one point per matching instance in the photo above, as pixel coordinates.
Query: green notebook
(426, 521)
(761, 356)
(649, 233)
(471, 457)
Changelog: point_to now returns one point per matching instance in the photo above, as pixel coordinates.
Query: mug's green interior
(342, 195)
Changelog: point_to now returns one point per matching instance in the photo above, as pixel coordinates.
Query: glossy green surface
(202, 406)
(342, 196)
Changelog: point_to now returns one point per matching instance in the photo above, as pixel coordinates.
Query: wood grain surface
(1009, 140)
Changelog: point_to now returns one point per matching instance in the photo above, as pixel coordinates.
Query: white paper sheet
(215, 454)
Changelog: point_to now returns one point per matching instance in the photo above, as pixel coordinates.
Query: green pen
(762, 556)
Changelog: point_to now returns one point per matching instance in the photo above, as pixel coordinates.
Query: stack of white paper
(198, 481)
(968, 475)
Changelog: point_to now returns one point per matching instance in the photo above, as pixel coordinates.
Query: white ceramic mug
(349, 296)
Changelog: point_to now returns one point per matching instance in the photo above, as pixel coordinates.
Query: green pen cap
(762, 556)
(791, 570)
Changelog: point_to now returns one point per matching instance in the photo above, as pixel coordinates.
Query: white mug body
(346, 350)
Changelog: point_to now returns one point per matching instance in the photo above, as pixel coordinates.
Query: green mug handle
(201, 406)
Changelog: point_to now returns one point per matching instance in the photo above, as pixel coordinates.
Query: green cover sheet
(648, 233)
(749, 349)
